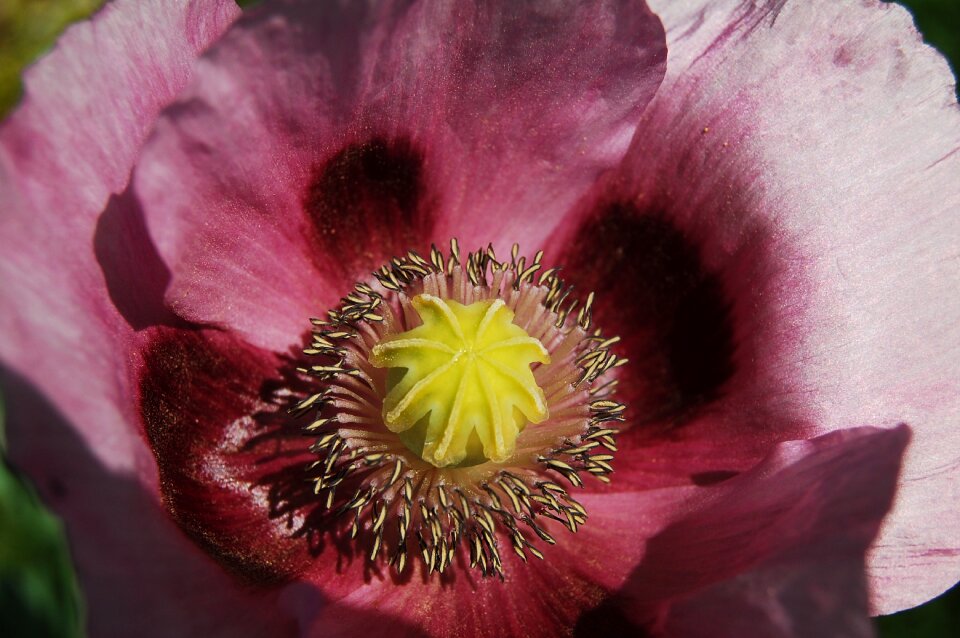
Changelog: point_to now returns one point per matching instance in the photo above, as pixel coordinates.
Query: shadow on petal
(780, 550)
(139, 573)
(135, 275)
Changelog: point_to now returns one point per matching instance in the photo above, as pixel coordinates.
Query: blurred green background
(39, 596)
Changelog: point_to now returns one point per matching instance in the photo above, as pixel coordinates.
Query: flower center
(456, 395)
(465, 389)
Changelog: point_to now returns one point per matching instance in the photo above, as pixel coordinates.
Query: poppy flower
(757, 199)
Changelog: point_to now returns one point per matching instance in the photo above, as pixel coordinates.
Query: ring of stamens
(400, 503)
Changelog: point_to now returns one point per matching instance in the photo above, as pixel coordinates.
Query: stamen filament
(454, 431)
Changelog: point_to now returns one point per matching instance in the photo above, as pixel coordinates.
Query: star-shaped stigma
(460, 386)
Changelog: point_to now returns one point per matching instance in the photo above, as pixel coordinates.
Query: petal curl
(320, 139)
(809, 152)
(777, 551)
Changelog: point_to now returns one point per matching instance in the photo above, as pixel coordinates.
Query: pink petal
(68, 147)
(88, 107)
(537, 599)
(234, 467)
(807, 154)
(778, 551)
(91, 101)
(320, 139)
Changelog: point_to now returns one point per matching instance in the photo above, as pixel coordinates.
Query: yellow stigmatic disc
(460, 386)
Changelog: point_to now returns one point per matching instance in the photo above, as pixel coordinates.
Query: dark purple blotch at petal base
(209, 413)
(702, 399)
(367, 203)
(132, 560)
(671, 312)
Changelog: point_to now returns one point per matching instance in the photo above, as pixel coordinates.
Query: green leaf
(939, 617)
(939, 22)
(27, 29)
(39, 595)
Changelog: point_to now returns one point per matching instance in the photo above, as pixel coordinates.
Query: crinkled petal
(807, 153)
(777, 551)
(320, 139)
